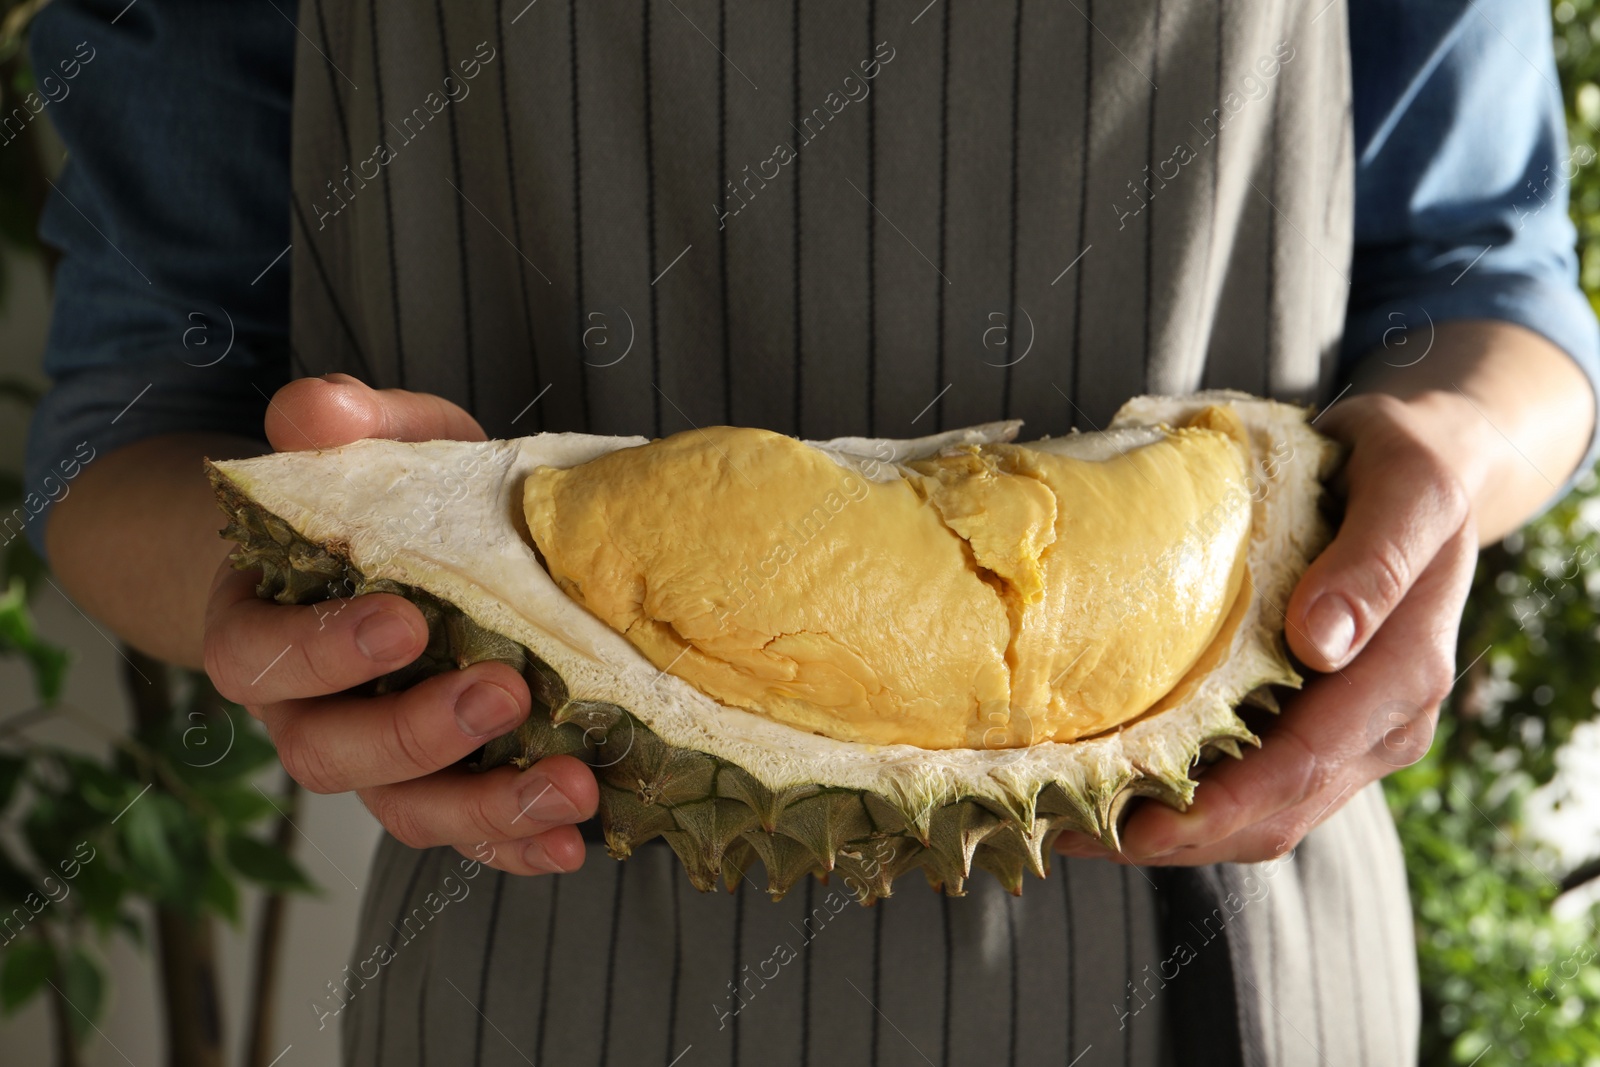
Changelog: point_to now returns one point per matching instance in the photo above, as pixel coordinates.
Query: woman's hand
(1378, 612)
(1448, 452)
(290, 667)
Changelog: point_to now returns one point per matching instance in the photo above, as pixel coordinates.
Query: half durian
(859, 656)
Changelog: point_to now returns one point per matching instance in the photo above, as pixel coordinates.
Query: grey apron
(836, 218)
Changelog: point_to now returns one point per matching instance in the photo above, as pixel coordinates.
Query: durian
(860, 656)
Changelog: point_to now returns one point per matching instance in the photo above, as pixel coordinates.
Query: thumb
(1403, 504)
(312, 413)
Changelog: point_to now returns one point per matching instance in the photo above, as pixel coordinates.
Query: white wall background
(335, 830)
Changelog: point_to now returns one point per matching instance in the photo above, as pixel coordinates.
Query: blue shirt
(178, 185)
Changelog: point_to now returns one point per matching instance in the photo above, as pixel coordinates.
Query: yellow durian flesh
(993, 596)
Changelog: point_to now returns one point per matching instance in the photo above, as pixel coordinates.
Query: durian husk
(440, 523)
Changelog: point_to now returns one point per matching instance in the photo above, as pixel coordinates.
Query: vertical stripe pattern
(617, 964)
(748, 227)
(813, 979)
(830, 218)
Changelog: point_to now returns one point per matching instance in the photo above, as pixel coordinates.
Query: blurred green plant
(1577, 46)
(1504, 979)
(168, 821)
(23, 186)
(171, 817)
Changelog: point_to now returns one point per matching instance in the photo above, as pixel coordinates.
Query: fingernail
(1073, 841)
(540, 801)
(1178, 831)
(1148, 852)
(534, 856)
(1151, 857)
(1332, 627)
(485, 709)
(383, 636)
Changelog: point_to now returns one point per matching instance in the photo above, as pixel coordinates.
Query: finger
(336, 409)
(1339, 734)
(502, 805)
(258, 652)
(1258, 842)
(1262, 842)
(557, 851)
(1403, 503)
(338, 743)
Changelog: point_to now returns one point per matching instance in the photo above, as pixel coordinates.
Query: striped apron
(829, 218)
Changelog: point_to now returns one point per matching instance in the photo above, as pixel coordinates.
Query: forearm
(1510, 412)
(135, 543)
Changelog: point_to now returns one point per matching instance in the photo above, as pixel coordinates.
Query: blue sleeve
(1462, 173)
(171, 216)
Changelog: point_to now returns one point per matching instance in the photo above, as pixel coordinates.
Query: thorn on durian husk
(708, 828)
(1020, 801)
(659, 773)
(1066, 809)
(628, 823)
(1008, 867)
(786, 860)
(737, 784)
(1262, 697)
(535, 739)
(735, 862)
(889, 819)
(1030, 848)
(869, 867)
(826, 822)
(307, 574)
(547, 687)
(593, 717)
(471, 643)
(1175, 794)
(702, 874)
(1110, 834)
(955, 833)
(941, 876)
(1222, 746)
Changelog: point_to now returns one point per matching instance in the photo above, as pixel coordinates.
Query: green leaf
(102, 789)
(24, 564)
(144, 836)
(56, 823)
(238, 806)
(84, 986)
(221, 894)
(99, 888)
(166, 851)
(265, 865)
(252, 749)
(17, 635)
(217, 746)
(26, 967)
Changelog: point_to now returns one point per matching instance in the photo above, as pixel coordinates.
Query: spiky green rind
(797, 804)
